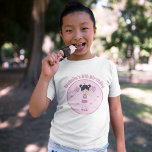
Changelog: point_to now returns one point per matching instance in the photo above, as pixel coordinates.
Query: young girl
(86, 88)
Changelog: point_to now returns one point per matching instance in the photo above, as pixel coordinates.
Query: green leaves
(134, 27)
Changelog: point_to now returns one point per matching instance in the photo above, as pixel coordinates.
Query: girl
(74, 129)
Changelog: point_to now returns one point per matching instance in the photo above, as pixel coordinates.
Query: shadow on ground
(18, 130)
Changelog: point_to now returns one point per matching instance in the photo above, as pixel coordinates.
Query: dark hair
(83, 87)
(75, 6)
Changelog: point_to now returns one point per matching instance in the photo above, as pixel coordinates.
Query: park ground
(19, 132)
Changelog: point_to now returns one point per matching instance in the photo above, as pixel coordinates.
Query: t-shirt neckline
(77, 61)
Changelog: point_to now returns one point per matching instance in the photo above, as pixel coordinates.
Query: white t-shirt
(82, 89)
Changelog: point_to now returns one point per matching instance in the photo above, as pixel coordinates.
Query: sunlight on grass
(5, 91)
(11, 122)
(35, 148)
(140, 100)
(15, 121)
(23, 111)
(140, 140)
(141, 96)
(126, 119)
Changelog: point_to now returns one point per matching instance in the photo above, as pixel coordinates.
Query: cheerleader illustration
(84, 96)
(85, 90)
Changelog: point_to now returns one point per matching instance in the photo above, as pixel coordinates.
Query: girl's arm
(116, 117)
(39, 101)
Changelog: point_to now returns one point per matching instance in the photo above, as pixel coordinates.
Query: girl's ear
(95, 29)
(61, 34)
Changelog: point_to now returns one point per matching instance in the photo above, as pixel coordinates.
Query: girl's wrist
(121, 148)
(45, 78)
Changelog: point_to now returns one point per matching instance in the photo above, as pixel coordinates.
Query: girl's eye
(68, 31)
(84, 28)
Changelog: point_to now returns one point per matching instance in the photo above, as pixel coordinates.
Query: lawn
(137, 109)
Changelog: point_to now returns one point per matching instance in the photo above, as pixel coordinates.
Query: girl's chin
(81, 49)
(81, 55)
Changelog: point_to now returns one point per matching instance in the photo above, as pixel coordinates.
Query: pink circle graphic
(84, 96)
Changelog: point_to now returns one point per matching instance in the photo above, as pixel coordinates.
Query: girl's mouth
(80, 46)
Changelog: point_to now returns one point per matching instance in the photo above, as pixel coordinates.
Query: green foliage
(15, 20)
(89, 2)
(114, 1)
(134, 28)
(7, 50)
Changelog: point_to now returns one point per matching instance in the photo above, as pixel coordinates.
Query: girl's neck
(76, 57)
(80, 57)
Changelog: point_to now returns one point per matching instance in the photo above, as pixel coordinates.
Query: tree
(36, 39)
(135, 28)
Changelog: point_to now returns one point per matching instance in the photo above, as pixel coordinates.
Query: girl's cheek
(90, 36)
(67, 41)
(65, 37)
(89, 33)
(68, 38)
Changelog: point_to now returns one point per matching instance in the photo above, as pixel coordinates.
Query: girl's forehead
(77, 17)
(77, 13)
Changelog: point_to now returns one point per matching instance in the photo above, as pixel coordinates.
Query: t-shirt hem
(94, 146)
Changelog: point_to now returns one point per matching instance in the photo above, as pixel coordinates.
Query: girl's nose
(77, 35)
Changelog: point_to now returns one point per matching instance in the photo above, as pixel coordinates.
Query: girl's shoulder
(105, 61)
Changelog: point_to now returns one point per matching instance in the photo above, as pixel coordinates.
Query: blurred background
(29, 30)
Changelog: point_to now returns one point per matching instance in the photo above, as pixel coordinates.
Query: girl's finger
(53, 58)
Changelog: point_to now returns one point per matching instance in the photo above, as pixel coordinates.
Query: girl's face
(78, 30)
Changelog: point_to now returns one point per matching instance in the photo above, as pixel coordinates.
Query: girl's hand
(50, 65)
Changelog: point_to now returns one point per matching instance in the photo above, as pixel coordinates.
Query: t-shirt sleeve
(51, 90)
(114, 88)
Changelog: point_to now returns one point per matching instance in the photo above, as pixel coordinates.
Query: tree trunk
(37, 30)
(0, 55)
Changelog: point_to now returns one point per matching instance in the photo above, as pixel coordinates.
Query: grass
(136, 74)
(137, 109)
(136, 102)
